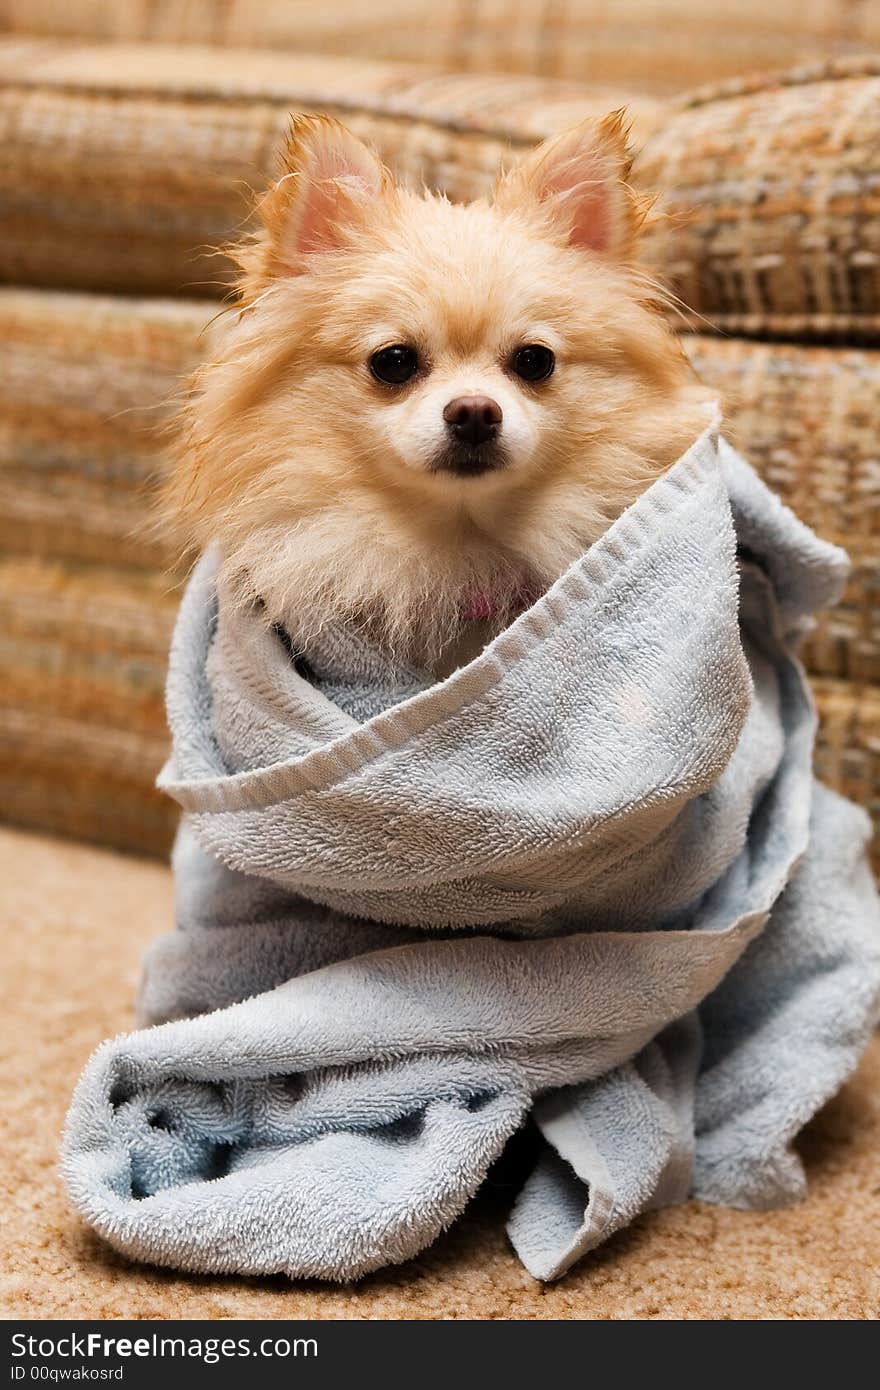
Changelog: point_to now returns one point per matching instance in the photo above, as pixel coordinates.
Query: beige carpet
(75, 921)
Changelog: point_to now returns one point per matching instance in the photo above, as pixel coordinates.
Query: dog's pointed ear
(580, 180)
(329, 179)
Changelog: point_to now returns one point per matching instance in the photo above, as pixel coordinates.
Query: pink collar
(481, 605)
(478, 606)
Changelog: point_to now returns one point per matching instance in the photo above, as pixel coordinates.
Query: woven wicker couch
(123, 163)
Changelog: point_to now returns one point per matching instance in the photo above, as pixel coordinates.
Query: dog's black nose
(473, 419)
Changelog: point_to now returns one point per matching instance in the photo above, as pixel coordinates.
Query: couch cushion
(87, 384)
(656, 45)
(121, 167)
(848, 745)
(773, 186)
(86, 611)
(85, 614)
(82, 723)
(806, 417)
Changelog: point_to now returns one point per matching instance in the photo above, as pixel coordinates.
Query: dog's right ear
(329, 180)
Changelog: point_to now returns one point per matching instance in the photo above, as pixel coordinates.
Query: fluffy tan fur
(315, 479)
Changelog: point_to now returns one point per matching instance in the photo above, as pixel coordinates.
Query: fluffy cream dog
(425, 412)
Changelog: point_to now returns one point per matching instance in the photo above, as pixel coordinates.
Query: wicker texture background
(121, 168)
(774, 191)
(85, 384)
(121, 172)
(86, 614)
(86, 610)
(660, 45)
(82, 721)
(807, 418)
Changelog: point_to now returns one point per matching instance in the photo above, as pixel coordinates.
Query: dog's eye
(394, 365)
(534, 362)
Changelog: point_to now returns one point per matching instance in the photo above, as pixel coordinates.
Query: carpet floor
(75, 922)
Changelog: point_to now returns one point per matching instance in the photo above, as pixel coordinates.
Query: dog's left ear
(580, 180)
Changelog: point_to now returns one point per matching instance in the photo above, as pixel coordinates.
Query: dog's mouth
(461, 460)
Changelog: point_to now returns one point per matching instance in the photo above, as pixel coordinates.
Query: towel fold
(587, 880)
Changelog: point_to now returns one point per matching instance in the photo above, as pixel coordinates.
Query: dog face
(420, 399)
(467, 350)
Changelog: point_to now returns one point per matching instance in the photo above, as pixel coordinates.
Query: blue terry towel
(588, 880)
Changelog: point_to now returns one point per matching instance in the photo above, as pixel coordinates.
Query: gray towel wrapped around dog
(587, 880)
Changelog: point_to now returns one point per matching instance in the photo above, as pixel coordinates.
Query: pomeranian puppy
(425, 412)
